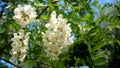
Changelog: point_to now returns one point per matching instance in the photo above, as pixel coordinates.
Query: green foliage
(2, 30)
(29, 64)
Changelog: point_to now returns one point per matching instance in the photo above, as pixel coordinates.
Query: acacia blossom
(24, 14)
(57, 36)
(19, 45)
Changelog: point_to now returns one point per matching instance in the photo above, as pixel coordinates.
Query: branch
(2, 49)
(5, 53)
(6, 46)
(45, 9)
(10, 62)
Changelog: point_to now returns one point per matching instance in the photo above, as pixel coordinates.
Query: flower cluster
(19, 45)
(24, 15)
(57, 36)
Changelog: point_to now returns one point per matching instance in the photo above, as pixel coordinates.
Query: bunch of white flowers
(24, 15)
(19, 45)
(57, 37)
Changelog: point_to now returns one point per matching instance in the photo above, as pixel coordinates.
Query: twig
(2, 50)
(10, 62)
(45, 9)
(6, 46)
(5, 53)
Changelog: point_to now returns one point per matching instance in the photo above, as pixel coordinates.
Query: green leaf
(58, 64)
(29, 64)
(79, 60)
(101, 66)
(89, 61)
(44, 17)
(98, 46)
(57, 5)
(86, 17)
(100, 61)
(99, 55)
(2, 30)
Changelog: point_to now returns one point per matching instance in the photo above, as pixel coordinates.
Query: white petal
(53, 14)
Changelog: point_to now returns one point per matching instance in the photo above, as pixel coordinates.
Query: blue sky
(9, 65)
(102, 2)
(1, 4)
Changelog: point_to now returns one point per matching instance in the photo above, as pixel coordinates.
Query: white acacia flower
(57, 37)
(19, 45)
(24, 15)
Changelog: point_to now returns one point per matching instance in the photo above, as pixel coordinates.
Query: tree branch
(5, 53)
(10, 62)
(6, 46)
(45, 9)
(2, 49)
